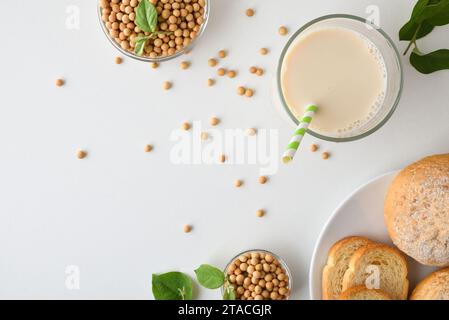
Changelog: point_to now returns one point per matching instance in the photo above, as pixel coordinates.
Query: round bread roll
(433, 287)
(417, 210)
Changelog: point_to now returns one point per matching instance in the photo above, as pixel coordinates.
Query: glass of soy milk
(350, 69)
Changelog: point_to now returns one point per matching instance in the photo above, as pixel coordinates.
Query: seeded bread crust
(337, 264)
(363, 293)
(393, 270)
(417, 210)
(433, 287)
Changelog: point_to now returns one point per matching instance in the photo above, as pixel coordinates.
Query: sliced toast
(337, 264)
(434, 287)
(363, 293)
(392, 270)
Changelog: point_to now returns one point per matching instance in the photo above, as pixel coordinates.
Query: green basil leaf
(229, 293)
(140, 44)
(425, 16)
(409, 29)
(146, 16)
(424, 11)
(419, 8)
(428, 63)
(438, 15)
(140, 47)
(172, 286)
(209, 276)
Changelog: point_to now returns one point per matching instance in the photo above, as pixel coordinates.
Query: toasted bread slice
(392, 270)
(433, 287)
(363, 293)
(337, 264)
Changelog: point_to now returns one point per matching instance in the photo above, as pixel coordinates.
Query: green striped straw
(300, 131)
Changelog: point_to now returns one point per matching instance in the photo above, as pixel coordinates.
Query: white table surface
(118, 214)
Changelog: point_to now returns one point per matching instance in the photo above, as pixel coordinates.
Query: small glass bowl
(158, 59)
(281, 261)
(391, 58)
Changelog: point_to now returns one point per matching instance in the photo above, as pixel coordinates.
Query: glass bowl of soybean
(119, 13)
(255, 259)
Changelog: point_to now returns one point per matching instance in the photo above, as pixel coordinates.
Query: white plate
(361, 214)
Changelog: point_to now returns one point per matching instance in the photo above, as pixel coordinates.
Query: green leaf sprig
(209, 276)
(213, 278)
(172, 286)
(426, 15)
(229, 293)
(178, 285)
(146, 20)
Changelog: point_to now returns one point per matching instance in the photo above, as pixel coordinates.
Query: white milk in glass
(340, 71)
